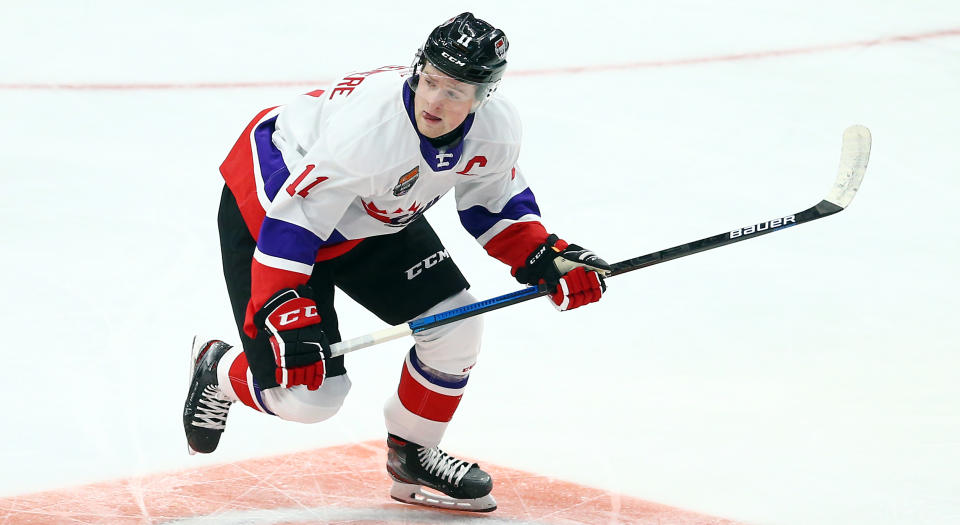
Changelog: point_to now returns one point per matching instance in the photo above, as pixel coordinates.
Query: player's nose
(434, 99)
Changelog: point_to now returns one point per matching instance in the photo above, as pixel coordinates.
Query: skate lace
(443, 465)
(212, 409)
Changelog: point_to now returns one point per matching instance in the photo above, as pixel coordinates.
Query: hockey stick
(854, 155)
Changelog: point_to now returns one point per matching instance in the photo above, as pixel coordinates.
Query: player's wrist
(538, 265)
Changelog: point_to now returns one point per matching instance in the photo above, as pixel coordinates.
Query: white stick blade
(854, 155)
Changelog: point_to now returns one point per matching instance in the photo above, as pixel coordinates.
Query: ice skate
(464, 486)
(206, 407)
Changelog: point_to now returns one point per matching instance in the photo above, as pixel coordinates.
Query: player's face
(441, 103)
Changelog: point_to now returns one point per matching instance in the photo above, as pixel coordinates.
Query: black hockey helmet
(467, 49)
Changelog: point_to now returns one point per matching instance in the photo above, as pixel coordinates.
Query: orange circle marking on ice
(342, 484)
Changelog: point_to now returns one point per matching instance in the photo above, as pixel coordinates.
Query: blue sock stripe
(256, 392)
(432, 376)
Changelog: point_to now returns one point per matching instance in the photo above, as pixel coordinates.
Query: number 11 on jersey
(292, 188)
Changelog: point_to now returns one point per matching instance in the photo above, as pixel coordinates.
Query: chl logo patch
(406, 182)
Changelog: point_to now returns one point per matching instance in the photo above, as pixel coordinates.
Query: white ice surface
(807, 377)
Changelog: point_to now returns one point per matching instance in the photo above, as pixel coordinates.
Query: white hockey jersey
(337, 165)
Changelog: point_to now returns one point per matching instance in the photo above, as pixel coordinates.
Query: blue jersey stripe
(477, 219)
(291, 242)
(272, 168)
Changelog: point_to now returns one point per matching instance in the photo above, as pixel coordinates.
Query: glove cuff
(537, 266)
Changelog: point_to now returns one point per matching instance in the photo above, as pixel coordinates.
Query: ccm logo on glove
(298, 342)
(288, 317)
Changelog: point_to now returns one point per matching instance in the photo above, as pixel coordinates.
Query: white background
(806, 377)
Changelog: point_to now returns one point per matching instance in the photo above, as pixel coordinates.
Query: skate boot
(206, 407)
(413, 468)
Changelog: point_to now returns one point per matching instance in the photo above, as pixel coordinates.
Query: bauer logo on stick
(769, 225)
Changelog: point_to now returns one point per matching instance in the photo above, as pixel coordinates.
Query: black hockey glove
(299, 344)
(577, 273)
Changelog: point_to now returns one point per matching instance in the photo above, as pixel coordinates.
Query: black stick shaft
(823, 209)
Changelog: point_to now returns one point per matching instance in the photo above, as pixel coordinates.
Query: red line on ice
(734, 57)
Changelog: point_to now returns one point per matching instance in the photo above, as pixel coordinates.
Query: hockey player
(329, 191)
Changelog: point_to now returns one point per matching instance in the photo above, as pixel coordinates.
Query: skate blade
(416, 495)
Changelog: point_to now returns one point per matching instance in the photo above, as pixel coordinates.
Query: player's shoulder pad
(297, 121)
(497, 121)
(497, 132)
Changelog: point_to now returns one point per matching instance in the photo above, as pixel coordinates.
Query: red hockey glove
(576, 273)
(299, 344)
